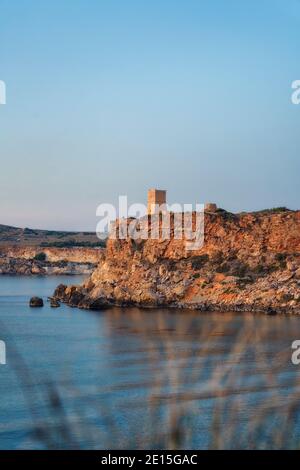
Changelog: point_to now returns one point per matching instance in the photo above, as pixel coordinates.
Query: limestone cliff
(27, 260)
(249, 262)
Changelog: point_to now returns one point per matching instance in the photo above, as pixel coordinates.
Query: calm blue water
(129, 378)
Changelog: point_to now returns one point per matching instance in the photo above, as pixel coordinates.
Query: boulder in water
(54, 303)
(36, 302)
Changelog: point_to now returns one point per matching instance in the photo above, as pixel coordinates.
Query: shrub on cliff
(273, 210)
(40, 257)
(281, 258)
(199, 261)
(74, 244)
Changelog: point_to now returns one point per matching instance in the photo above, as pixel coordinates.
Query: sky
(112, 97)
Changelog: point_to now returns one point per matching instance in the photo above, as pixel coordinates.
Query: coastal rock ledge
(249, 262)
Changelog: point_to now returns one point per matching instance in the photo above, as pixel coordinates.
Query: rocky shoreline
(30, 261)
(249, 262)
(79, 298)
(17, 267)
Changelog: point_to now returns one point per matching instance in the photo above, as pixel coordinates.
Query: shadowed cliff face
(248, 262)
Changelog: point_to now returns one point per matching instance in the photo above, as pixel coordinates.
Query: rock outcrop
(36, 302)
(249, 262)
(54, 303)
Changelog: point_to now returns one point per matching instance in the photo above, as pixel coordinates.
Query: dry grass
(209, 385)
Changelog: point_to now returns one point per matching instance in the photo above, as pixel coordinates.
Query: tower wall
(156, 196)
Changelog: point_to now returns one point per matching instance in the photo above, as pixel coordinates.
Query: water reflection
(229, 376)
(132, 378)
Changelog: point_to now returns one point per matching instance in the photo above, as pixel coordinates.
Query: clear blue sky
(112, 97)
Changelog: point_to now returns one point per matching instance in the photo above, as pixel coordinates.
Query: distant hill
(47, 238)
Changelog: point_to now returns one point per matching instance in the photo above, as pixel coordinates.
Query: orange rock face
(248, 262)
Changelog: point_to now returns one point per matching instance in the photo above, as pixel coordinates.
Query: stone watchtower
(210, 207)
(156, 197)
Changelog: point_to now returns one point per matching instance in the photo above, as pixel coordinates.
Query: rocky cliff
(27, 260)
(249, 262)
